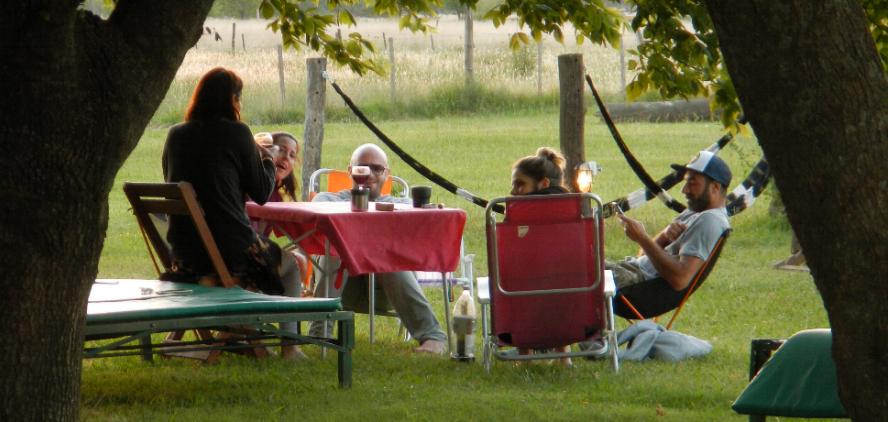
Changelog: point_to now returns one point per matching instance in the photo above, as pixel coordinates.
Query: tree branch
(159, 33)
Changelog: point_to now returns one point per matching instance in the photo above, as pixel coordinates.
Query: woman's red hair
(217, 95)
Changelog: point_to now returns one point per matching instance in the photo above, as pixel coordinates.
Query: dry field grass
(420, 69)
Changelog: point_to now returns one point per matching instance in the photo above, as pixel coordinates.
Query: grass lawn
(743, 299)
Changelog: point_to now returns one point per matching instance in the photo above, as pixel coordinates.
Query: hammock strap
(412, 162)
(633, 162)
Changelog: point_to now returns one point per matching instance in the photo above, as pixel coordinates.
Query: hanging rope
(739, 199)
(412, 162)
(641, 196)
(744, 195)
(645, 178)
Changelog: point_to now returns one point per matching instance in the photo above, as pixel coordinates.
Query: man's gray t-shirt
(699, 238)
(345, 195)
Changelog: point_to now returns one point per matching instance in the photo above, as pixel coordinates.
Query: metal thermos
(360, 198)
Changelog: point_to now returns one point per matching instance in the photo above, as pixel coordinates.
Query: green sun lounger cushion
(115, 301)
(798, 381)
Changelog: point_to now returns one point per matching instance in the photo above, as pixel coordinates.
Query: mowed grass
(743, 299)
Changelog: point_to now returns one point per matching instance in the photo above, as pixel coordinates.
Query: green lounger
(132, 310)
(798, 381)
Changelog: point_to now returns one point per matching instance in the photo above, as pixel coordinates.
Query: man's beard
(700, 203)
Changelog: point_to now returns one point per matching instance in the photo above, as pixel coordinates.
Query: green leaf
(631, 64)
(266, 9)
(514, 42)
(523, 37)
(346, 18)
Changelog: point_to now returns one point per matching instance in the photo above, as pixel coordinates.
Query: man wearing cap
(678, 252)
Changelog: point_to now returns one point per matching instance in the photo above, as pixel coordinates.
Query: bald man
(401, 288)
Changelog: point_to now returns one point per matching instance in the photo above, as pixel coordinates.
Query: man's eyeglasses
(375, 168)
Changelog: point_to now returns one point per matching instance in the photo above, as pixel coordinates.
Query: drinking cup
(421, 195)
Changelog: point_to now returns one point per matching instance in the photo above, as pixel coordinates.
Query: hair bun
(552, 155)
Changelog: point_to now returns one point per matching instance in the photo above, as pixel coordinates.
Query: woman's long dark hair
(217, 95)
(289, 183)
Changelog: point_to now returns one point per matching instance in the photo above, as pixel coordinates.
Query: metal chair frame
(486, 287)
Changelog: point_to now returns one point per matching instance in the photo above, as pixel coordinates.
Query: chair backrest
(655, 297)
(152, 201)
(338, 180)
(545, 261)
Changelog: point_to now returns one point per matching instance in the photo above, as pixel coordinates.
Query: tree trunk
(79, 93)
(812, 85)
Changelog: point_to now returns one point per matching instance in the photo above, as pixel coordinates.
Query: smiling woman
(284, 175)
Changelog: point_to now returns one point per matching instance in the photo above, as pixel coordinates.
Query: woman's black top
(220, 159)
(551, 190)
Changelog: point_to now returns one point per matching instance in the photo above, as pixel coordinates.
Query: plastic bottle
(464, 327)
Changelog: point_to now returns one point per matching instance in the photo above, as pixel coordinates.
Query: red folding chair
(547, 285)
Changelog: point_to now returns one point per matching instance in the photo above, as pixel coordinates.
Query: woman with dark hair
(540, 174)
(216, 153)
(285, 172)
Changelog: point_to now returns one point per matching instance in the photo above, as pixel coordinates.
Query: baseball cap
(710, 165)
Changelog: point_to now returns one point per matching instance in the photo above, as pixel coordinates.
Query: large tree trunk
(78, 94)
(811, 83)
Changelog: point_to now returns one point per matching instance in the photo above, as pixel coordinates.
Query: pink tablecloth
(406, 239)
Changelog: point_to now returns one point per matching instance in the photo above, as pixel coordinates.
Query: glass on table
(360, 174)
(266, 142)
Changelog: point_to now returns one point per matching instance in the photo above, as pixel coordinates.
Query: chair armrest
(483, 290)
(610, 288)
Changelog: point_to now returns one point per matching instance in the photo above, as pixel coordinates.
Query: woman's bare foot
(292, 353)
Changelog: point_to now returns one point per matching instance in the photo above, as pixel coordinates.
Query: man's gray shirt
(699, 238)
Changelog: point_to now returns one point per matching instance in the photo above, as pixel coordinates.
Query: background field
(429, 82)
(743, 299)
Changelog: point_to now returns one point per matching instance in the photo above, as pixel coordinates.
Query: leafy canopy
(678, 54)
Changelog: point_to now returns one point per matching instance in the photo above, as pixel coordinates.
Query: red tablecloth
(406, 239)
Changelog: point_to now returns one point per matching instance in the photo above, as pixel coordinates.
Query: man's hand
(674, 230)
(633, 228)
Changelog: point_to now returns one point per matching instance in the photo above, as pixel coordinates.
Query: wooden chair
(152, 204)
(652, 298)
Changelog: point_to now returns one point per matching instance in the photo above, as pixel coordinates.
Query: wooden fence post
(469, 47)
(573, 114)
(540, 68)
(391, 48)
(233, 36)
(313, 135)
(243, 41)
(280, 51)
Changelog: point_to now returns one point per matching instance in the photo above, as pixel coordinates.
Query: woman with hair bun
(539, 174)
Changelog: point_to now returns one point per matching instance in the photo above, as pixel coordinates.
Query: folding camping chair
(338, 180)
(547, 285)
(652, 298)
(152, 204)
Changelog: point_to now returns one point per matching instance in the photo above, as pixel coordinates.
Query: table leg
(328, 279)
(371, 293)
(447, 300)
